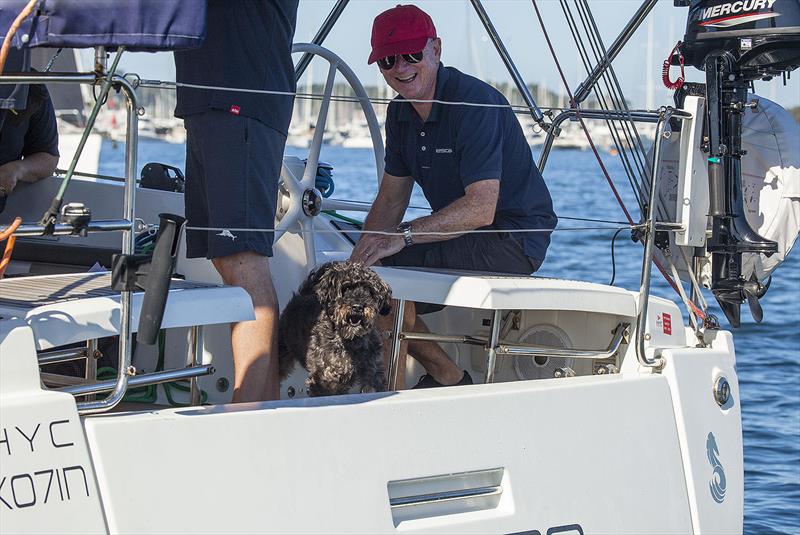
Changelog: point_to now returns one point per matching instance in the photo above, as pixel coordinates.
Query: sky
(467, 47)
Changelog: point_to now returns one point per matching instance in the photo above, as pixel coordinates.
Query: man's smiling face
(416, 81)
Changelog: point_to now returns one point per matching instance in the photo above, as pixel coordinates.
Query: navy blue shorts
(494, 252)
(232, 168)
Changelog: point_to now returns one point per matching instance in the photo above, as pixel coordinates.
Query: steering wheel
(304, 201)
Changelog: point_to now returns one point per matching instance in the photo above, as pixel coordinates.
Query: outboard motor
(736, 42)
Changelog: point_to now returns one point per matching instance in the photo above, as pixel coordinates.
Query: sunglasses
(388, 62)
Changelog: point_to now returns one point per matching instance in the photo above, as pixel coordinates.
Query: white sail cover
(770, 184)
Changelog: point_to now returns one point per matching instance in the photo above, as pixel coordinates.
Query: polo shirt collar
(406, 112)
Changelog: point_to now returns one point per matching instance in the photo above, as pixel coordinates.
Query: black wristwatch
(405, 228)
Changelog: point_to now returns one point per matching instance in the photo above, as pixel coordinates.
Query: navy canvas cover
(138, 25)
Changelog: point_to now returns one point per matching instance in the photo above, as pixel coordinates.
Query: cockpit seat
(492, 291)
(71, 308)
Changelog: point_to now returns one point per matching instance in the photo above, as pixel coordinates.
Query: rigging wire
(519, 109)
(637, 192)
(682, 293)
(693, 276)
(574, 105)
(621, 103)
(416, 233)
(613, 259)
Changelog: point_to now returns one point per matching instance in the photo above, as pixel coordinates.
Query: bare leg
(429, 354)
(255, 343)
(433, 358)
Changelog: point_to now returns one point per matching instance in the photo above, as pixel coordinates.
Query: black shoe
(427, 381)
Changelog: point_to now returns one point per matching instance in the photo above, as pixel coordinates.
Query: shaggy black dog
(329, 328)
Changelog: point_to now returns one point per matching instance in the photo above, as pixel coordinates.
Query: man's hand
(10, 174)
(373, 247)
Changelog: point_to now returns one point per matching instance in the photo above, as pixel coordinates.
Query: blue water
(768, 354)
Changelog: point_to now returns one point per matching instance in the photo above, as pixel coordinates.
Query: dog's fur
(329, 328)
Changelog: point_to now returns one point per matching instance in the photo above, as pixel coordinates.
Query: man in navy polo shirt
(234, 151)
(28, 141)
(473, 164)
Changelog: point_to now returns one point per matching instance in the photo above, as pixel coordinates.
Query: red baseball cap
(400, 30)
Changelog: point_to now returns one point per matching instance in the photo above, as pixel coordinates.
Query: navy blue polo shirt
(28, 133)
(248, 45)
(459, 145)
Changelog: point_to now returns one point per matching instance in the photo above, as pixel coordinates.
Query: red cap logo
(400, 30)
(235, 109)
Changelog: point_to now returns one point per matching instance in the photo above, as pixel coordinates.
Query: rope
(8, 234)
(13, 30)
(682, 293)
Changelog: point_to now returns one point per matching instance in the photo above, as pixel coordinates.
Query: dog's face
(353, 296)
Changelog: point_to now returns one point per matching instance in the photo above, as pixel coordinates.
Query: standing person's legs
(233, 164)
(255, 343)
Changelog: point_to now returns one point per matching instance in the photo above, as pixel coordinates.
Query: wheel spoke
(290, 181)
(307, 227)
(295, 218)
(310, 174)
(289, 219)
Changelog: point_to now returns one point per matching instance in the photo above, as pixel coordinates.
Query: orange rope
(12, 30)
(8, 234)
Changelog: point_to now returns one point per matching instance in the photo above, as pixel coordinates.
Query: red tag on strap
(235, 109)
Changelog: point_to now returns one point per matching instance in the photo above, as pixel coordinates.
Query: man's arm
(30, 169)
(385, 214)
(474, 210)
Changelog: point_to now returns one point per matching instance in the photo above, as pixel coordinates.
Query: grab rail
(63, 355)
(530, 350)
(508, 348)
(145, 379)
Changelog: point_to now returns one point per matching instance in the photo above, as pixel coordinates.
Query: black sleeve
(42, 134)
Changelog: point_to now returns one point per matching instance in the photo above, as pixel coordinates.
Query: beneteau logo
(736, 13)
(717, 485)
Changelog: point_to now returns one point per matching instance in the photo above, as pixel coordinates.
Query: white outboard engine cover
(770, 180)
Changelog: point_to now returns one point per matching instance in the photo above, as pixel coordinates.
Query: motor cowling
(762, 36)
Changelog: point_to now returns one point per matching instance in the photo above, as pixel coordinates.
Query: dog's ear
(309, 286)
(327, 285)
(385, 297)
